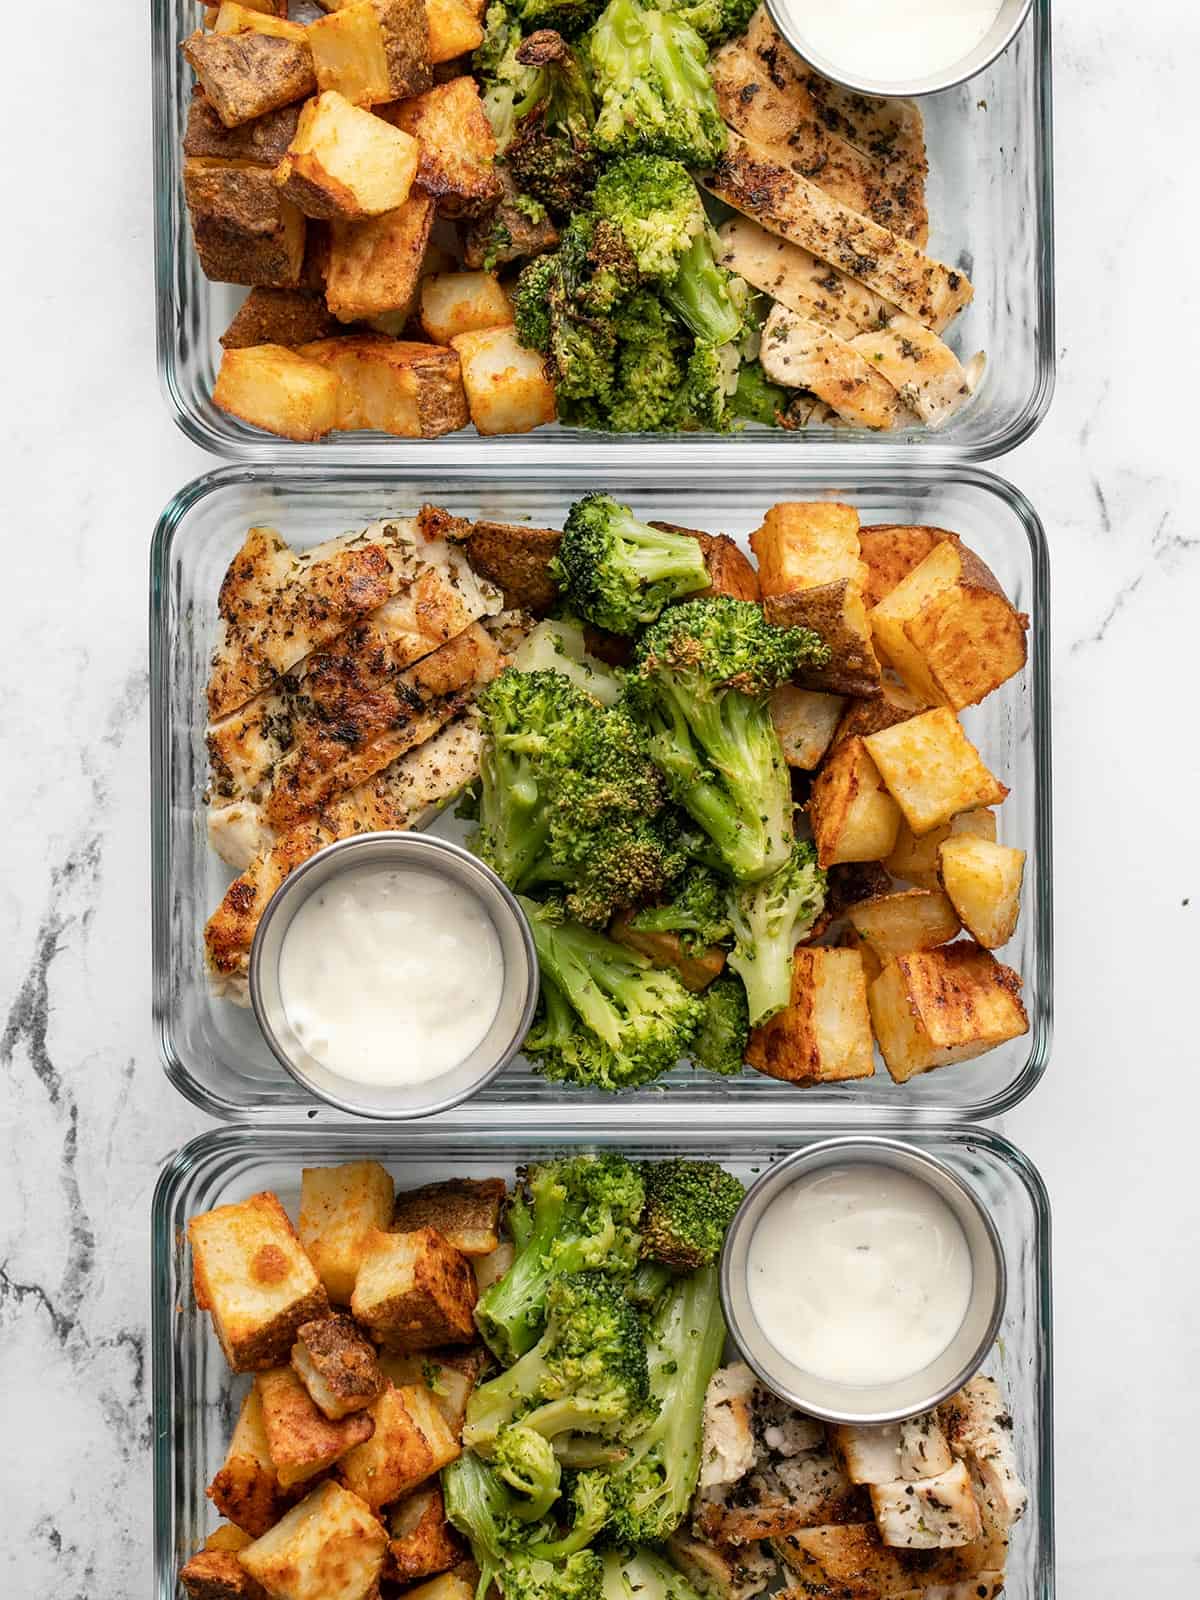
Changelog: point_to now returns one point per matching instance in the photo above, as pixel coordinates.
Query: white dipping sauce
(390, 977)
(859, 1274)
(890, 41)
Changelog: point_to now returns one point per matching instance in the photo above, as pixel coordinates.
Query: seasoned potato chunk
(803, 544)
(465, 1211)
(892, 704)
(729, 569)
(411, 1442)
(805, 722)
(458, 147)
(462, 302)
(218, 1575)
(345, 163)
(422, 1541)
(398, 386)
(329, 1547)
(852, 816)
(909, 919)
(372, 51)
(916, 859)
(261, 142)
(490, 1269)
(340, 1209)
(226, 1536)
(836, 612)
(983, 880)
(507, 388)
(517, 560)
(697, 968)
(288, 317)
(932, 769)
(246, 1488)
(449, 1375)
(244, 230)
(454, 29)
(891, 551)
(931, 1008)
(245, 75)
(302, 1442)
(414, 1291)
(234, 18)
(824, 1035)
(374, 267)
(255, 1281)
(337, 1365)
(278, 390)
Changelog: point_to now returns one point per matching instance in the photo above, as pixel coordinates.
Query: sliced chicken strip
(800, 280)
(727, 1452)
(869, 1455)
(805, 1491)
(802, 355)
(923, 370)
(924, 1451)
(979, 1428)
(723, 1572)
(938, 1513)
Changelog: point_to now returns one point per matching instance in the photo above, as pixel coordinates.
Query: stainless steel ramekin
(850, 1403)
(518, 999)
(1009, 20)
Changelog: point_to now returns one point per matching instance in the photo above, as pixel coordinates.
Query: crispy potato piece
(372, 51)
(414, 1291)
(411, 1441)
(278, 316)
(261, 142)
(931, 1008)
(507, 388)
(449, 1375)
(824, 1035)
(517, 560)
(245, 75)
(490, 1269)
(337, 1365)
(907, 919)
(916, 860)
(218, 1575)
(398, 386)
(422, 1542)
(805, 722)
(892, 704)
(836, 612)
(695, 968)
(227, 1536)
(465, 1211)
(246, 1488)
(244, 230)
(853, 818)
(253, 1278)
(891, 550)
(852, 881)
(340, 1209)
(374, 267)
(329, 1547)
(234, 18)
(932, 769)
(302, 1442)
(458, 147)
(278, 390)
(802, 544)
(345, 164)
(983, 881)
(462, 302)
(949, 629)
(454, 29)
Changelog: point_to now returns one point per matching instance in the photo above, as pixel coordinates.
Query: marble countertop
(86, 1116)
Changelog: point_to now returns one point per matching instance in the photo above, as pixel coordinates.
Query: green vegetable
(768, 919)
(643, 1575)
(524, 1459)
(550, 152)
(481, 1507)
(656, 206)
(720, 1045)
(689, 1206)
(528, 1577)
(696, 912)
(618, 571)
(702, 295)
(651, 77)
(713, 20)
(588, 1503)
(756, 398)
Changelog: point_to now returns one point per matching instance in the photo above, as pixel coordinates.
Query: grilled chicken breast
(938, 1513)
(800, 280)
(802, 355)
(923, 370)
(979, 1429)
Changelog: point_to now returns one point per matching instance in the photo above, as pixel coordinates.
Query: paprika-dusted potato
(824, 1034)
(931, 1008)
(506, 384)
(345, 164)
(279, 391)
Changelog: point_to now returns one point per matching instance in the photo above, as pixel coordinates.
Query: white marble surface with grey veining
(86, 1117)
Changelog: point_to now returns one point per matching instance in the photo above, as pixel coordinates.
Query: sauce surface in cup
(891, 41)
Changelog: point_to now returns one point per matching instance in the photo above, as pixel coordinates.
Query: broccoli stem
(699, 294)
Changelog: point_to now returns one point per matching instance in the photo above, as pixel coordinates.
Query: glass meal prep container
(990, 207)
(195, 1398)
(212, 1049)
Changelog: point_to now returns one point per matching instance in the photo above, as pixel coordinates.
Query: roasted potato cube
(244, 230)
(329, 1547)
(932, 770)
(891, 551)
(824, 1035)
(805, 722)
(278, 316)
(931, 1008)
(278, 390)
(414, 1291)
(261, 142)
(374, 267)
(907, 919)
(949, 629)
(507, 388)
(337, 1365)
(340, 1209)
(254, 1279)
(852, 816)
(372, 51)
(804, 544)
(245, 75)
(246, 1488)
(226, 1536)
(696, 968)
(218, 1575)
(892, 704)
(916, 860)
(422, 1541)
(983, 881)
(462, 302)
(458, 147)
(345, 164)
(398, 386)
(490, 1269)
(269, 8)
(517, 560)
(234, 18)
(448, 1375)
(454, 29)
(302, 1442)
(465, 1211)
(836, 612)
(410, 1443)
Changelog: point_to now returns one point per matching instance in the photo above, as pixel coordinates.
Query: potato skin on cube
(411, 1441)
(278, 390)
(465, 1211)
(372, 51)
(422, 1541)
(301, 1440)
(852, 816)
(932, 1008)
(983, 880)
(218, 1575)
(289, 317)
(414, 1291)
(836, 612)
(507, 388)
(932, 769)
(337, 1365)
(891, 705)
(517, 560)
(399, 386)
(824, 1034)
(340, 1208)
(246, 75)
(345, 164)
(244, 230)
(891, 550)
(329, 1547)
(458, 147)
(261, 142)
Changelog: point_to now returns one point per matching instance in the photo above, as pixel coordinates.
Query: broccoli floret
(651, 76)
(651, 367)
(689, 1206)
(524, 1459)
(646, 1286)
(567, 16)
(481, 1507)
(550, 152)
(566, 1216)
(586, 1374)
(697, 912)
(702, 674)
(643, 1575)
(653, 1486)
(588, 1506)
(558, 645)
(656, 206)
(768, 919)
(510, 89)
(617, 571)
(599, 269)
(713, 20)
(529, 1577)
(608, 1018)
(756, 398)
(531, 302)
(720, 1044)
(708, 382)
